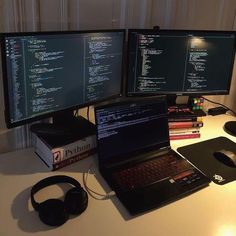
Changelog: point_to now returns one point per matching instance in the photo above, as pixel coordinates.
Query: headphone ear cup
(52, 212)
(76, 201)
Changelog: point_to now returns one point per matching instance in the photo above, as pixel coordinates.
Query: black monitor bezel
(8, 121)
(178, 93)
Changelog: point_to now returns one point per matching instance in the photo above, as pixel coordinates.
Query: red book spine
(184, 136)
(187, 124)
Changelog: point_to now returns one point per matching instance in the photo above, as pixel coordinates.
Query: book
(183, 113)
(185, 124)
(55, 156)
(66, 162)
(184, 118)
(184, 136)
(185, 130)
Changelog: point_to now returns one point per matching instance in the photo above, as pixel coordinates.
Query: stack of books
(56, 152)
(184, 124)
(76, 141)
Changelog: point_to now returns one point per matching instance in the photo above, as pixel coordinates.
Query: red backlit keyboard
(151, 171)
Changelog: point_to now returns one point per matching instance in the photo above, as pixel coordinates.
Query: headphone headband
(51, 181)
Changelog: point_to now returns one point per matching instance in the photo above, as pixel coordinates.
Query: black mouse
(226, 157)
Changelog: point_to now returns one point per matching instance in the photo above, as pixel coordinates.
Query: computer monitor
(46, 74)
(180, 62)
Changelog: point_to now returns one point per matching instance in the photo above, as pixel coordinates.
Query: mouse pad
(202, 156)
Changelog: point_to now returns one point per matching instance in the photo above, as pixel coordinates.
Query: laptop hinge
(141, 157)
(167, 148)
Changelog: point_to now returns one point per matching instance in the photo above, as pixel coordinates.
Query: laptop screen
(130, 127)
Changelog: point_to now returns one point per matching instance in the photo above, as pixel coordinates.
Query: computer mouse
(226, 157)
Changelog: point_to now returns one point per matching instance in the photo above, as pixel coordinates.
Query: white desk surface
(210, 211)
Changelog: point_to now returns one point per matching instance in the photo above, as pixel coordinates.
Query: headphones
(55, 212)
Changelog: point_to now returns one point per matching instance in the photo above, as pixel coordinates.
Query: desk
(210, 211)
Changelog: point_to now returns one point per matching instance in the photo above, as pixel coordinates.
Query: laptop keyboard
(155, 170)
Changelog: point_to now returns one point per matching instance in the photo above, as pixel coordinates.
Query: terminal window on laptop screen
(131, 127)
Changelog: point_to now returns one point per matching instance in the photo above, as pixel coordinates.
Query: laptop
(135, 157)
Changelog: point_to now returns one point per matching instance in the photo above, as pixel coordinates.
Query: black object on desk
(55, 212)
(64, 132)
(230, 128)
(207, 157)
(217, 111)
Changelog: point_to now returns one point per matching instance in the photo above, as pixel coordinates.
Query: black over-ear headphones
(55, 212)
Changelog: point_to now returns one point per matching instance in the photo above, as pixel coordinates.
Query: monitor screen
(49, 72)
(180, 62)
(138, 124)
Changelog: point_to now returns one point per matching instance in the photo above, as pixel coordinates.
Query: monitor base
(230, 128)
(75, 128)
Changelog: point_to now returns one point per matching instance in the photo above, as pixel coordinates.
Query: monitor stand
(175, 100)
(230, 128)
(66, 125)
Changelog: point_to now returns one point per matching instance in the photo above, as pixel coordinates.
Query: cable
(93, 193)
(88, 118)
(217, 103)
